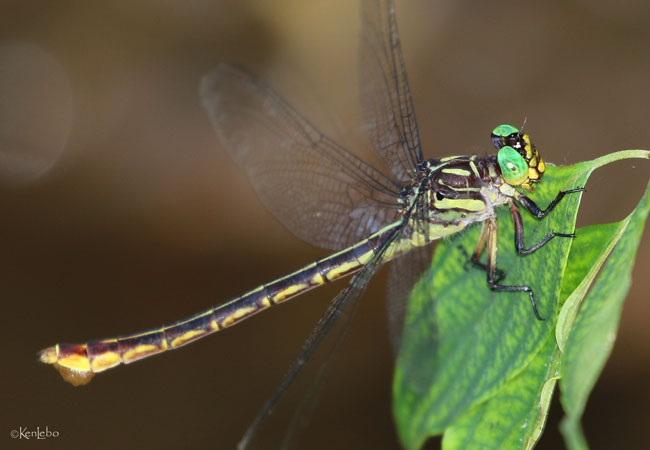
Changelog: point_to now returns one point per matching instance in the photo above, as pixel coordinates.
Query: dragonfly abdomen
(77, 363)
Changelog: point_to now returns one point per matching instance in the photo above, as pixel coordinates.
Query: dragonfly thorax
(449, 194)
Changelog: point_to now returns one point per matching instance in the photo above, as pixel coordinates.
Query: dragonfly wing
(333, 324)
(386, 103)
(404, 273)
(321, 192)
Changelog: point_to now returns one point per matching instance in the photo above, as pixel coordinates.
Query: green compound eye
(514, 167)
(504, 130)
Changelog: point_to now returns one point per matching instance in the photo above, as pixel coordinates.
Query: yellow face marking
(461, 172)
(492, 172)
(186, 337)
(341, 270)
(529, 151)
(105, 361)
(465, 203)
(532, 173)
(237, 315)
(288, 292)
(77, 363)
(139, 352)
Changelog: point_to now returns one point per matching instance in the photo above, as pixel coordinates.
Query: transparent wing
(386, 103)
(321, 192)
(339, 314)
(404, 273)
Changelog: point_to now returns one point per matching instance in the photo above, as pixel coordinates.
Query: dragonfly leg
(519, 232)
(480, 246)
(492, 278)
(536, 211)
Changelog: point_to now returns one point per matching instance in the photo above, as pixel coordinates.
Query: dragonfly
(329, 197)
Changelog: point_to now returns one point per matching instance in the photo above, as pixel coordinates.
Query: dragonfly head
(518, 158)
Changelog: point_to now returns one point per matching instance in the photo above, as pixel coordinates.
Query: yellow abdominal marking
(265, 303)
(214, 325)
(366, 257)
(317, 280)
(187, 336)
(468, 204)
(237, 315)
(419, 239)
(105, 361)
(139, 352)
(75, 362)
(286, 293)
(341, 270)
(461, 172)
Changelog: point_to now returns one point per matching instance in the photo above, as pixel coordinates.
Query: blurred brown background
(137, 218)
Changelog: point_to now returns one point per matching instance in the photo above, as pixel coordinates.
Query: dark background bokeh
(140, 218)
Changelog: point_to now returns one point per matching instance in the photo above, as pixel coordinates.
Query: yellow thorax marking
(473, 167)
(469, 204)
(461, 172)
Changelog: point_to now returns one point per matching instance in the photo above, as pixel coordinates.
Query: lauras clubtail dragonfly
(329, 197)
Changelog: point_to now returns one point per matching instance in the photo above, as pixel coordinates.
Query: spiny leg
(492, 279)
(480, 246)
(536, 211)
(519, 231)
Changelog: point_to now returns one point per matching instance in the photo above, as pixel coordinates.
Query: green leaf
(592, 335)
(512, 418)
(476, 364)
